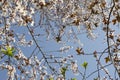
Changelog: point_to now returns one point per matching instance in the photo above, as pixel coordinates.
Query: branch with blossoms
(42, 39)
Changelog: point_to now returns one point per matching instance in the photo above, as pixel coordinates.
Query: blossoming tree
(37, 36)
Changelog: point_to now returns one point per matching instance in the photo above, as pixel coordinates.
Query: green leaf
(3, 50)
(96, 78)
(51, 79)
(63, 71)
(85, 64)
(8, 51)
(73, 79)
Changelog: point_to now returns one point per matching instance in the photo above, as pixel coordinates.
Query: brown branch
(40, 49)
(107, 34)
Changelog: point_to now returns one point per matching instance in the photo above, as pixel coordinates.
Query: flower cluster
(10, 70)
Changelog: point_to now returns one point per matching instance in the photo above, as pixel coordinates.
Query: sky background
(89, 46)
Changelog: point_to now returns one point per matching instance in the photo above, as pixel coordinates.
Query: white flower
(43, 2)
(11, 71)
(60, 78)
(32, 23)
(111, 42)
(32, 10)
(44, 67)
(91, 35)
(37, 61)
(22, 40)
(51, 76)
(74, 67)
(21, 55)
(8, 67)
(65, 48)
(64, 60)
(1, 31)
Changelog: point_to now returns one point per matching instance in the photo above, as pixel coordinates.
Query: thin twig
(40, 50)
(98, 70)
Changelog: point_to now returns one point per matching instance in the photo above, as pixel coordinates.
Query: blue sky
(51, 46)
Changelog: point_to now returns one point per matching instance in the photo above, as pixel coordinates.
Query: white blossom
(60, 78)
(65, 48)
(11, 71)
(74, 67)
